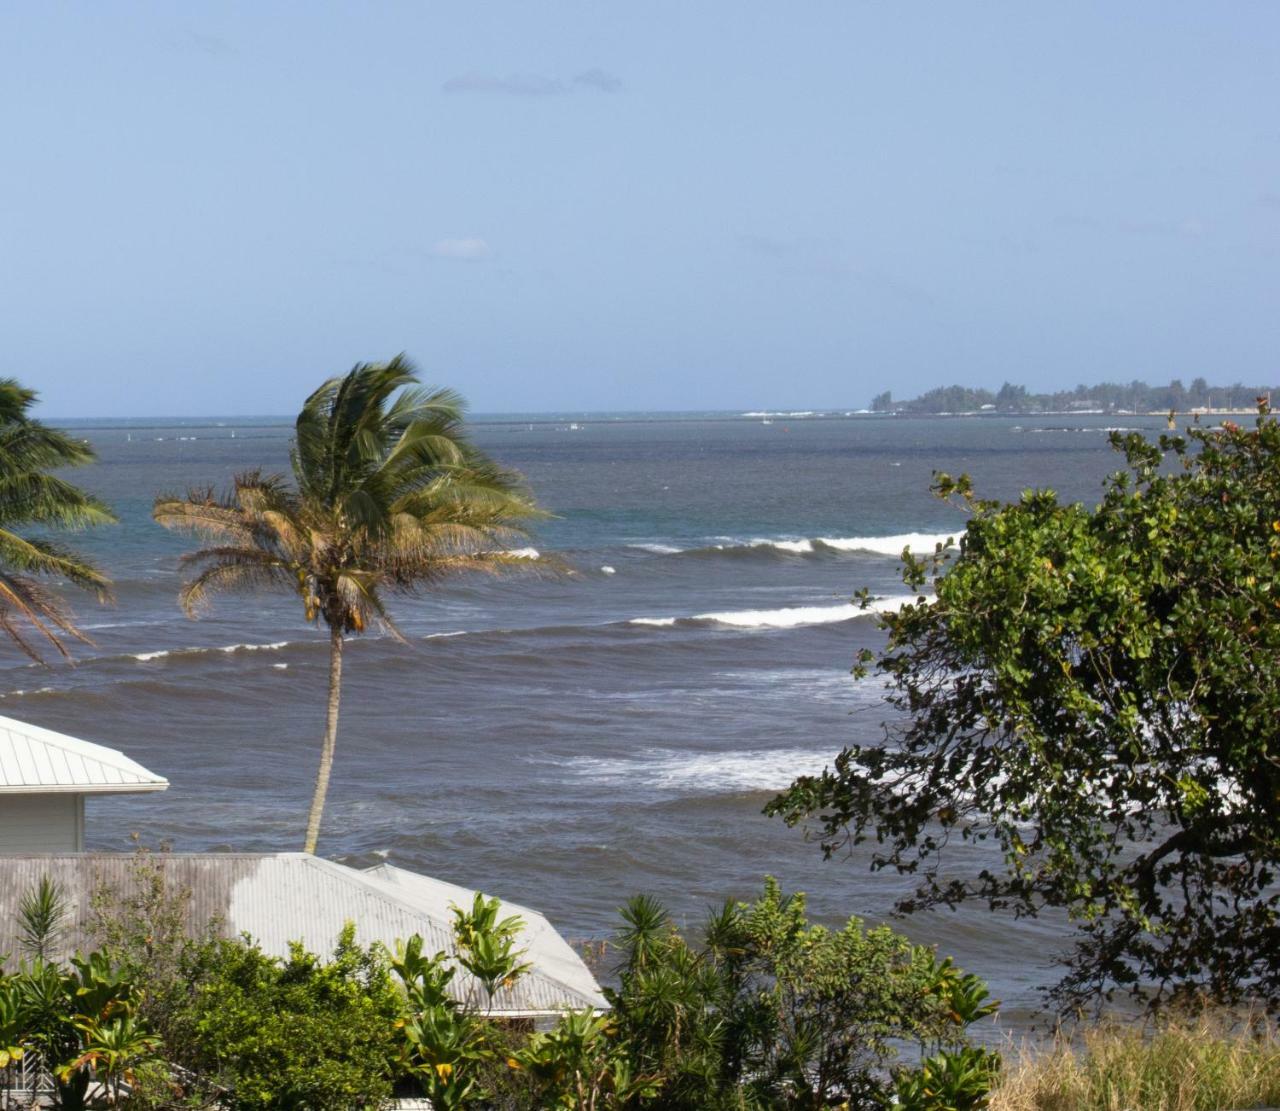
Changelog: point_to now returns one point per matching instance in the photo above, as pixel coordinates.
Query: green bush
(772, 1012)
(293, 1034)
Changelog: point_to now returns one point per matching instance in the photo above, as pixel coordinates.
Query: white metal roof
(279, 898)
(34, 760)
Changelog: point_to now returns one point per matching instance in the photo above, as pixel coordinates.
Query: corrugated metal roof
(280, 898)
(34, 760)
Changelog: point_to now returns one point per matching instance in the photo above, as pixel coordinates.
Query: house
(44, 780)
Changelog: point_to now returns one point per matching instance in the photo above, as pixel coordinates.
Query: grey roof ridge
(507, 903)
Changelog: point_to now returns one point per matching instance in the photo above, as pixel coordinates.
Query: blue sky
(212, 207)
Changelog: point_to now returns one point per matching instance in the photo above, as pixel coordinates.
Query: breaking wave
(702, 773)
(918, 542)
(144, 657)
(788, 617)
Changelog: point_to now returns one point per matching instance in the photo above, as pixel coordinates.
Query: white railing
(26, 1083)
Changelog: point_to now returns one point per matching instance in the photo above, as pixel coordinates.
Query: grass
(1204, 1064)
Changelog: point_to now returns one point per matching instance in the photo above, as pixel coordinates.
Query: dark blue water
(564, 741)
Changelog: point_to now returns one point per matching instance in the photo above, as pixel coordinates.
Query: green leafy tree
(32, 496)
(388, 497)
(771, 1011)
(1095, 693)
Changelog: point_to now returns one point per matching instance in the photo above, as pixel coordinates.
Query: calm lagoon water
(564, 742)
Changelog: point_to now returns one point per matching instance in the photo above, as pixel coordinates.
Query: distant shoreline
(583, 419)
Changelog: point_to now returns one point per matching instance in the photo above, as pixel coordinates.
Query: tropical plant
(114, 1051)
(13, 1028)
(447, 1045)
(58, 1011)
(41, 914)
(487, 945)
(579, 1065)
(1094, 693)
(388, 497)
(32, 496)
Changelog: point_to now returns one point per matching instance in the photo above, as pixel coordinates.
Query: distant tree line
(1107, 396)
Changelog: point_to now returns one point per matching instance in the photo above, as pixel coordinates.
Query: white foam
(440, 636)
(607, 570)
(525, 553)
(274, 647)
(792, 616)
(280, 667)
(704, 773)
(918, 542)
(144, 656)
(799, 547)
(788, 617)
(657, 549)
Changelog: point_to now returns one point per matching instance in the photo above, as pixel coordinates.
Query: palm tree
(388, 497)
(30, 495)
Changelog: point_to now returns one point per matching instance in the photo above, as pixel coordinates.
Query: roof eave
(86, 788)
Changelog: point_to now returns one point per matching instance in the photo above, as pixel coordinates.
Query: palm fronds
(31, 613)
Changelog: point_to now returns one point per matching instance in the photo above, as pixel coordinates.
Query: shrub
(770, 1011)
(292, 1034)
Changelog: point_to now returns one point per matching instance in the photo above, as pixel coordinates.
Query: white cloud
(465, 250)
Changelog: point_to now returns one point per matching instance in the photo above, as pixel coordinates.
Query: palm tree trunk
(330, 739)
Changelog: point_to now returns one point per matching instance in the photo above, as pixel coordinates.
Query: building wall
(41, 823)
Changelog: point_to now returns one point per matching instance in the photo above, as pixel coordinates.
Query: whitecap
(799, 547)
(144, 656)
(524, 553)
(918, 542)
(657, 549)
(787, 617)
(607, 570)
(703, 773)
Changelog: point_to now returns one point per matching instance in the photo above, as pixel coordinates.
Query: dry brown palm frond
(230, 574)
(207, 519)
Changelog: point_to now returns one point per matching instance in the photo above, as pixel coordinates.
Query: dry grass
(1205, 1064)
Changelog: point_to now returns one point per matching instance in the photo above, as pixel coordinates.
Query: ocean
(562, 741)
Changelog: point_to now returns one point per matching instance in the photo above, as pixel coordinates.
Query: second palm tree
(388, 496)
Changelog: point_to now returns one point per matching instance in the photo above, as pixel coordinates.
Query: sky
(729, 204)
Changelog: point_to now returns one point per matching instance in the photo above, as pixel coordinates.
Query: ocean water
(563, 741)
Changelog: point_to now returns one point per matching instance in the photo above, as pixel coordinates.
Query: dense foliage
(766, 1012)
(1133, 397)
(1096, 694)
(295, 1034)
(388, 496)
